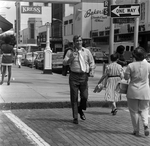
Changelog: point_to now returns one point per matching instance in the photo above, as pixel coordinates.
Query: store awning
(4, 24)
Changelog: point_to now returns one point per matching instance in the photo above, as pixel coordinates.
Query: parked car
(39, 60)
(57, 60)
(29, 59)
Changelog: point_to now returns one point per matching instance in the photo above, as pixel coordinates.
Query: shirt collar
(75, 49)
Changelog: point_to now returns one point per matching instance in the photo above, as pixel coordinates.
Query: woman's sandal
(114, 112)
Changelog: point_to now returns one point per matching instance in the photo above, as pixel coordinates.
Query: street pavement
(35, 111)
(30, 88)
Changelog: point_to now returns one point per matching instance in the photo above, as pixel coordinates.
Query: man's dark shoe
(75, 121)
(82, 116)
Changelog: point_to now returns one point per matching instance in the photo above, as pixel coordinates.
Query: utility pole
(111, 37)
(136, 29)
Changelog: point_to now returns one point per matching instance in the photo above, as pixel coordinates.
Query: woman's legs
(144, 112)
(134, 113)
(3, 73)
(114, 108)
(9, 75)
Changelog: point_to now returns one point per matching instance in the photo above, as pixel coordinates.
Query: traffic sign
(125, 10)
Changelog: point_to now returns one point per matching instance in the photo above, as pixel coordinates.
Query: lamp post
(47, 53)
(17, 4)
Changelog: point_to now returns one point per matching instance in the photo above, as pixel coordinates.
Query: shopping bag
(122, 87)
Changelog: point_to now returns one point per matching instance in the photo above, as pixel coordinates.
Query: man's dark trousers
(78, 82)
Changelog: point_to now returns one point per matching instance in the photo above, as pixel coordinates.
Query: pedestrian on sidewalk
(138, 93)
(82, 66)
(120, 52)
(113, 73)
(7, 58)
(19, 56)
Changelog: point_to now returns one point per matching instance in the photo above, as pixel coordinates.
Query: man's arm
(92, 65)
(68, 58)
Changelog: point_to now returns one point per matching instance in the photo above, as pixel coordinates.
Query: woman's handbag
(122, 87)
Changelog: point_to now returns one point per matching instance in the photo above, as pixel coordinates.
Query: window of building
(116, 31)
(107, 32)
(142, 11)
(65, 22)
(64, 30)
(101, 33)
(32, 30)
(70, 21)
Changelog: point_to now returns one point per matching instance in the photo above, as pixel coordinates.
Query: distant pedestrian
(66, 68)
(114, 74)
(7, 58)
(82, 66)
(19, 56)
(120, 52)
(138, 94)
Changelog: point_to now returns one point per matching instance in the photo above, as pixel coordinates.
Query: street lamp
(54, 19)
(47, 53)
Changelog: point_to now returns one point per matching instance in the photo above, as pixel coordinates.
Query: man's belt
(111, 76)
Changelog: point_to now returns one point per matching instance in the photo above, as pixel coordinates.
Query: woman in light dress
(138, 94)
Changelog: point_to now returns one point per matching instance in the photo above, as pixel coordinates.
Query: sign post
(132, 11)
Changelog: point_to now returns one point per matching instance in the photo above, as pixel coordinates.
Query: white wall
(83, 23)
(45, 16)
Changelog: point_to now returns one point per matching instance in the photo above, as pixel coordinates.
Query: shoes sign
(125, 10)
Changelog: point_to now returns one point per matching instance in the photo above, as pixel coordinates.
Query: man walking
(82, 66)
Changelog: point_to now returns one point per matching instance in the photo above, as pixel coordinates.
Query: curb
(46, 105)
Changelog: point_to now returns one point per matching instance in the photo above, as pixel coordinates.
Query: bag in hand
(122, 87)
(98, 88)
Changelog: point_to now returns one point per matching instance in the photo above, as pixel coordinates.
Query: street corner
(55, 127)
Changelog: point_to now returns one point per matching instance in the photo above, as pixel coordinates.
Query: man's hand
(91, 73)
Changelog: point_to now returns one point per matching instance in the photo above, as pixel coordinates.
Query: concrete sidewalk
(33, 89)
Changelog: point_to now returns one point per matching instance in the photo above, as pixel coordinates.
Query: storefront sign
(131, 28)
(31, 9)
(90, 12)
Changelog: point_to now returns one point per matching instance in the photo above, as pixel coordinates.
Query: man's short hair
(120, 49)
(139, 54)
(76, 37)
(113, 57)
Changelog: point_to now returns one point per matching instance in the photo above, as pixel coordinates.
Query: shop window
(101, 33)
